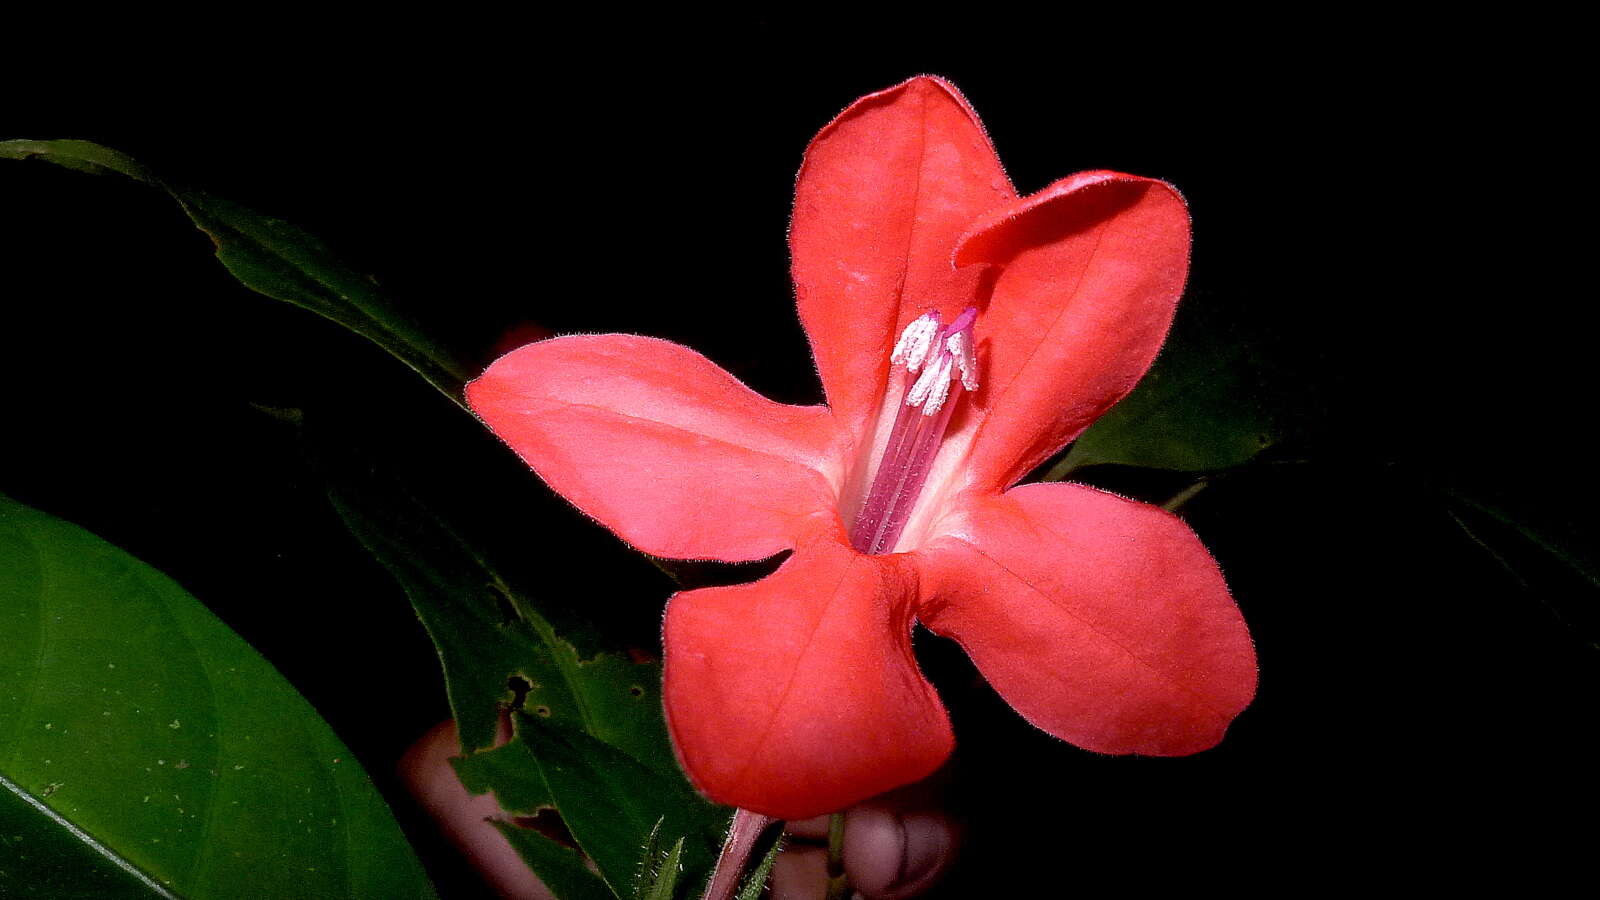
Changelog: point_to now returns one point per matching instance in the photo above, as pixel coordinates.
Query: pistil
(934, 364)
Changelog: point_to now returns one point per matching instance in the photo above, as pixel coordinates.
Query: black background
(1392, 216)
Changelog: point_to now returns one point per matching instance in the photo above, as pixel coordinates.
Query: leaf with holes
(591, 745)
(609, 801)
(146, 750)
(496, 648)
(561, 868)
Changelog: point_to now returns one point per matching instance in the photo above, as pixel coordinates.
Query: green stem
(838, 881)
(1176, 501)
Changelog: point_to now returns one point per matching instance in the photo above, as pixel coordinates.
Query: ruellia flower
(963, 335)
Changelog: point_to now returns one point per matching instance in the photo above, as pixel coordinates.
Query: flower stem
(838, 881)
(742, 834)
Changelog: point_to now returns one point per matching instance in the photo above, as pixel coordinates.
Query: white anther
(960, 347)
(916, 342)
(932, 386)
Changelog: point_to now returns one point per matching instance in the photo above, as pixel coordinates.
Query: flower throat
(935, 362)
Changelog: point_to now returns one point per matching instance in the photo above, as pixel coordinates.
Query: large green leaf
(276, 259)
(29, 847)
(1200, 408)
(146, 750)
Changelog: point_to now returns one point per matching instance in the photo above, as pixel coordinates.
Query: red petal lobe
(798, 695)
(1091, 269)
(1103, 621)
(660, 445)
(884, 192)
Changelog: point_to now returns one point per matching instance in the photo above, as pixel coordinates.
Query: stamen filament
(888, 476)
(947, 364)
(914, 474)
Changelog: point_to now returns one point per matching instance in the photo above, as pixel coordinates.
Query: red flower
(1101, 620)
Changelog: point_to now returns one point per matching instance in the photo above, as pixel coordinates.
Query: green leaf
(481, 645)
(756, 882)
(1198, 409)
(656, 875)
(592, 744)
(610, 801)
(142, 737)
(644, 875)
(496, 648)
(34, 839)
(1551, 556)
(666, 883)
(80, 156)
(562, 869)
(279, 260)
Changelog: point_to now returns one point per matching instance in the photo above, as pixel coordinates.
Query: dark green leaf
(512, 774)
(593, 744)
(562, 869)
(80, 156)
(661, 869)
(666, 885)
(135, 724)
(649, 862)
(279, 260)
(757, 880)
(608, 799)
(1552, 556)
(496, 648)
(481, 645)
(1200, 408)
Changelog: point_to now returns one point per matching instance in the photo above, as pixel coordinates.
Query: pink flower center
(934, 364)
